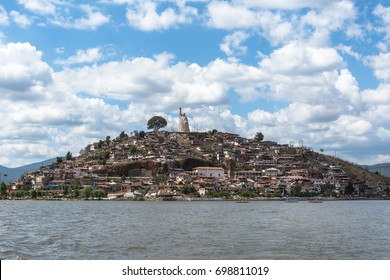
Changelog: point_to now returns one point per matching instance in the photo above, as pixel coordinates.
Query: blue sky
(311, 71)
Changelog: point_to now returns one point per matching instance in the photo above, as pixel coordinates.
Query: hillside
(162, 164)
(355, 171)
(383, 168)
(157, 152)
(13, 174)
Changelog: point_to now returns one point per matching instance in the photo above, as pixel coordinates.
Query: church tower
(183, 122)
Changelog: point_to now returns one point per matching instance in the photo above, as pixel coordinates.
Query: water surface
(194, 230)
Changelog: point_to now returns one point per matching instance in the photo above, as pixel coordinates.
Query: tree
(259, 137)
(349, 189)
(156, 123)
(75, 187)
(67, 191)
(59, 159)
(33, 194)
(133, 149)
(3, 189)
(160, 179)
(69, 156)
(122, 135)
(99, 194)
(87, 192)
(189, 189)
(297, 191)
(141, 134)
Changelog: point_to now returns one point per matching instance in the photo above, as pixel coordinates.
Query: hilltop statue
(183, 122)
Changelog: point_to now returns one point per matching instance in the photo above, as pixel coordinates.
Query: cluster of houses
(239, 165)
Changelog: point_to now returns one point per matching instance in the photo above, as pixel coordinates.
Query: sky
(305, 72)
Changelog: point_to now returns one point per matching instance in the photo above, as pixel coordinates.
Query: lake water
(194, 230)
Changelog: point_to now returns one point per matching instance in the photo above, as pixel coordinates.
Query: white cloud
(119, 2)
(32, 152)
(44, 7)
(82, 56)
(379, 96)
(3, 16)
(226, 15)
(382, 46)
(279, 26)
(21, 68)
(93, 20)
(348, 50)
(384, 14)
(246, 80)
(143, 15)
(377, 102)
(348, 89)
(286, 4)
(20, 19)
(206, 118)
(232, 44)
(350, 129)
(155, 80)
(380, 63)
(299, 59)
(333, 17)
(383, 134)
(340, 15)
(262, 117)
(307, 114)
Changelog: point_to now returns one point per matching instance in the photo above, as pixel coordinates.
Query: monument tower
(183, 122)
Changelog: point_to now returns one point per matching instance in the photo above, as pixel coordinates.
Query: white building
(215, 172)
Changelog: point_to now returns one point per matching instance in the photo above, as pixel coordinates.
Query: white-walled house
(215, 172)
(204, 171)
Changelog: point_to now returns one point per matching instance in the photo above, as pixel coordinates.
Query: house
(215, 172)
(271, 172)
(248, 174)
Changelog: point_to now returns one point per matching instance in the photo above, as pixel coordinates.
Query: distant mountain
(13, 174)
(383, 168)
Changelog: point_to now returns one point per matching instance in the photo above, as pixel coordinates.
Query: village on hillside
(196, 165)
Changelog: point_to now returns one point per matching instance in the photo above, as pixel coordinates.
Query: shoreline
(258, 199)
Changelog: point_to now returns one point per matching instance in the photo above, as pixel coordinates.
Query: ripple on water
(204, 230)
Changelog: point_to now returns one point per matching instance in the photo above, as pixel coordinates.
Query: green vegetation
(247, 193)
(189, 190)
(69, 156)
(160, 179)
(259, 137)
(156, 123)
(219, 194)
(161, 155)
(75, 188)
(87, 192)
(122, 135)
(3, 190)
(133, 149)
(99, 194)
(349, 189)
